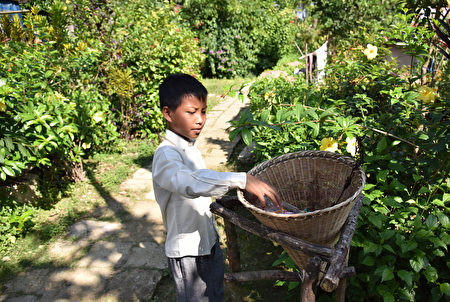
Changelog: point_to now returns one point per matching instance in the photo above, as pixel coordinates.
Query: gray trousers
(199, 278)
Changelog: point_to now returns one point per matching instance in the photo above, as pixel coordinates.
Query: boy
(183, 190)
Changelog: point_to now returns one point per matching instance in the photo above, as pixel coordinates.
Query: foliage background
(401, 242)
(81, 75)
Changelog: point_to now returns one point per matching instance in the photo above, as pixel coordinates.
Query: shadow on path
(117, 259)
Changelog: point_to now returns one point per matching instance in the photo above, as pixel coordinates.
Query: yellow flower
(329, 144)
(97, 117)
(85, 146)
(51, 30)
(81, 46)
(268, 95)
(426, 94)
(351, 145)
(2, 106)
(371, 51)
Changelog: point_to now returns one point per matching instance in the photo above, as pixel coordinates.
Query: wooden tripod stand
(311, 276)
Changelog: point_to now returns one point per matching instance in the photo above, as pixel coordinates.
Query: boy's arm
(170, 173)
(173, 175)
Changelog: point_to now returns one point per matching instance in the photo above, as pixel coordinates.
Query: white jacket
(183, 189)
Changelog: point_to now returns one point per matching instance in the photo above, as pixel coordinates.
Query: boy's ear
(167, 113)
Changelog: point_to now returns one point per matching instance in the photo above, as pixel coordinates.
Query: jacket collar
(178, 140)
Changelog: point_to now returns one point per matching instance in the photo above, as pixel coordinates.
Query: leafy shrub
(150, 42)
(15, 221)
(50, 110)
(241, 37)
(400, 245)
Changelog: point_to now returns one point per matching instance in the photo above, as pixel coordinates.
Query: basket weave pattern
(312, 180)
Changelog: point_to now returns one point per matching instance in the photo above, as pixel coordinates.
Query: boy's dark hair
(176, 86)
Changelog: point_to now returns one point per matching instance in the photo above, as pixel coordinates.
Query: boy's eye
(191, 112)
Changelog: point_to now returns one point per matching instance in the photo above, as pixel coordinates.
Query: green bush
(400, 121)
(73, 79)
(150, 42)
(51, 113)
(241, 38)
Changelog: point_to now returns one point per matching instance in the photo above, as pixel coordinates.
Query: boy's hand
(261, 189)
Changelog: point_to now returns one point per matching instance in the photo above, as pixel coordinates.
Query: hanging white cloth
(321, 57)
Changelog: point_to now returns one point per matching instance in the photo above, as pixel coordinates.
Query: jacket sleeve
(171, 174)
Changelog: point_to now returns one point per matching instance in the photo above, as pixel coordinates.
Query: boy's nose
(200, 119)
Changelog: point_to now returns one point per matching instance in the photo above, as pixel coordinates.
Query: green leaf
(431, 274)
(385, 292)
(445, 288)
(9, 143)
(443, 219)
(446, 197)
(382, 144)
(8, 171)
(315, 127)
(369, 261)
(292, 285)
(265, 115)
(279, 283)
(377, 220)
(438, 203)
(368, 186)
(431, 221)
(423, 190)
(246, 116)
(312, 113)
(389, 248)
(299, 110)
(387, 234)
(233, 134)
(437, 242)
(247, 136)
(394, 202)
(408, 246)
(387, 274)
(279, 116)
(417, 263)
(406, 276)
(370, 247)
(382, 175)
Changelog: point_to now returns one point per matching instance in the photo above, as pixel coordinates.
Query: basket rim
(311, 154)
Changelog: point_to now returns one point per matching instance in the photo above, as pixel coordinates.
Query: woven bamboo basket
(313, 180)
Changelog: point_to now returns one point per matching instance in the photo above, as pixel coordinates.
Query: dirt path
(118, 256)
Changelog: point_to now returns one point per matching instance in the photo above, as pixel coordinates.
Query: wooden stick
(301, 52)
(310, 276)
(230, 202)
(331, 280)
(389, 134)
(264, 275)
(268, 233)
(340, 291)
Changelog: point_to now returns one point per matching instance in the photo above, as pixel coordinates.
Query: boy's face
(188, 119)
